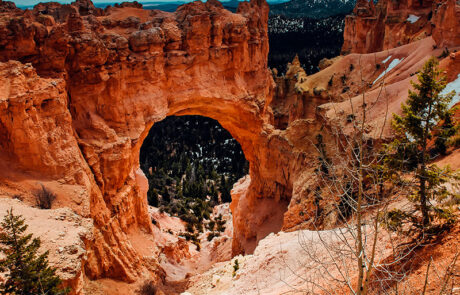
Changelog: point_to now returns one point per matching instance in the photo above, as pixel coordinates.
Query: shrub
(44, 198)
(445, 53)
(350, 118)
(236, 267)
(197, 244)
(322, 157)
(147, 288)
(189, 228)
(331, 81)
(152, 197)
(211, 225)
(199, 227)
(220, 223)
(212, 235)
(317, 91)
(190, 237)
(454, 141)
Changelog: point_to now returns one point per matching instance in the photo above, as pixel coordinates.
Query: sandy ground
(285, 263)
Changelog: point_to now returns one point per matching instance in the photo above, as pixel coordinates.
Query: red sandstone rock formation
(394, 23)
(85, 86)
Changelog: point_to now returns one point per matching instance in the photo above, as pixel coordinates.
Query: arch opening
(191, 163)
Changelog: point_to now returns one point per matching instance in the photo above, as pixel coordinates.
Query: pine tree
(152, 197)
(447, 130)
(225, 187)
(419, 123)
(27, 272)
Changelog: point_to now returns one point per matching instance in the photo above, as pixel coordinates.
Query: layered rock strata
(389, 24)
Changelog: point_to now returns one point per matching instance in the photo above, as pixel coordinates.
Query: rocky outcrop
(390, 24)
(82, 87)
(291, 103)
(446, 22)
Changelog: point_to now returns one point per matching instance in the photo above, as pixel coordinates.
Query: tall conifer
(27, 272)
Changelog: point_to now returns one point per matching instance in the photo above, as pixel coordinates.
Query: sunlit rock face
(86, 85)
(390, 24)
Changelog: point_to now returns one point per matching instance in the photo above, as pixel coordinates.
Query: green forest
(191, 163)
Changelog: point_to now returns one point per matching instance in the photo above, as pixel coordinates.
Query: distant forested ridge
(311, 39)
(316, 9)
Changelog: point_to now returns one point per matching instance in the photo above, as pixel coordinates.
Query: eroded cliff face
(326, 104)
(390, 24)
(83, 86)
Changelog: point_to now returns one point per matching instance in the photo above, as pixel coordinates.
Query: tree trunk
(423, 200)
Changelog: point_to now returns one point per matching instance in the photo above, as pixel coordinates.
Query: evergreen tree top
(425, 106)
(27, 272)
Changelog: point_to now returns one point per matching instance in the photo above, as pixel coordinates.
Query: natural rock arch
(105, 78)
(82, 86)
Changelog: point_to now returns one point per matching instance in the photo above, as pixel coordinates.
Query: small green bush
(220, 224)
(236, 267)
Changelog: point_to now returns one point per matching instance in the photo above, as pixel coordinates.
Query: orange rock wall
(384, 26)
(98, 80)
